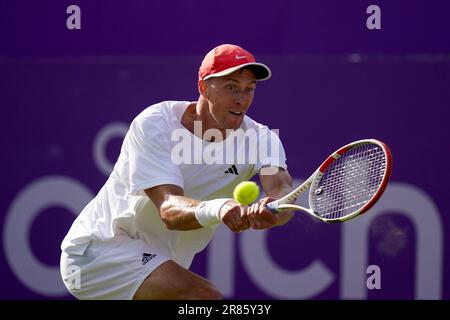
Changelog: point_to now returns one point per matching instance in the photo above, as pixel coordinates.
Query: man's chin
(234, 125)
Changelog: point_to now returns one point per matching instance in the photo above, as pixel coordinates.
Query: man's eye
(250, 90)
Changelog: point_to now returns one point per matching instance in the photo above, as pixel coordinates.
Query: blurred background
(68, 95)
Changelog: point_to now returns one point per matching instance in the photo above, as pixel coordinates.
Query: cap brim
(262, 72)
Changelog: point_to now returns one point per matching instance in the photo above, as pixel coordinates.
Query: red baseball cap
(226, 59)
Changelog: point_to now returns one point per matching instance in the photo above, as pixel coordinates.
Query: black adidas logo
(232, 170)
(146, 257)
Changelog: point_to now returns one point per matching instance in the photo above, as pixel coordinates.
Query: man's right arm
(178, 211)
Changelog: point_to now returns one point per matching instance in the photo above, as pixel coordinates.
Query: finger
(266, 200)
(238, 218)
(267, 216)
(246, 224)
(265, 213)
(244, 218)
(252, 222)
(261, 218)
(263, 207)
(255, 215)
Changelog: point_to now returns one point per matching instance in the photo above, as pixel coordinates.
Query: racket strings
(350, 182)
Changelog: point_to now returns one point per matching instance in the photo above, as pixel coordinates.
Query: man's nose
(240, 97)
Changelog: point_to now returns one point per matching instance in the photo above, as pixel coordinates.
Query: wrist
(207, 213)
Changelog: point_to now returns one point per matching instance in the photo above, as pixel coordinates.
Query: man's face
(229, 97)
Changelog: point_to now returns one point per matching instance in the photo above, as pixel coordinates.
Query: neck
(200, 112)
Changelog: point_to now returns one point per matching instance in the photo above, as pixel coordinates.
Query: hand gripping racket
(347, 184)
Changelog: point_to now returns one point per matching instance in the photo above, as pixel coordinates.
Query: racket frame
(286, 203)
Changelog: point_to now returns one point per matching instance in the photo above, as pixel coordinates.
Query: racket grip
(273, 207)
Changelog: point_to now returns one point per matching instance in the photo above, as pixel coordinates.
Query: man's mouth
(236, 113)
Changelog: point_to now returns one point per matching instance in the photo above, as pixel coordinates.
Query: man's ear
(203, 88)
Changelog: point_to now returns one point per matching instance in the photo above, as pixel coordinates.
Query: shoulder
(159, 115)
(157, 110)
(261, 131)
(250, 124)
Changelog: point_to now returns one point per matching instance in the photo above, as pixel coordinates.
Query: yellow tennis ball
(246, 192)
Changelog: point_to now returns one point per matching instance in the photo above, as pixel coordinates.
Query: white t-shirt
(157, 150)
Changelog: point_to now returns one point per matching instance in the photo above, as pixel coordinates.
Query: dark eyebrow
(231, 79)
(236, 81)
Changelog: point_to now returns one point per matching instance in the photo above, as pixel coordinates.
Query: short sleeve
(149, 152)
(271, 155)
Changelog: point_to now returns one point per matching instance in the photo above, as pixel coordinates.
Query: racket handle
(273, 207)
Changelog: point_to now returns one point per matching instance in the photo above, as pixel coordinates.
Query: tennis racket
(347, 184)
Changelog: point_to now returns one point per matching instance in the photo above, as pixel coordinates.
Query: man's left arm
(276, 186)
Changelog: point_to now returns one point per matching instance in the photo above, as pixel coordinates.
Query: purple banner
(30, 28)
(68, 96)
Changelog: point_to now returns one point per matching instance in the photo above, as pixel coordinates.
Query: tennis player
(137, 238)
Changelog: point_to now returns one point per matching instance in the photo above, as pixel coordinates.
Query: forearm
(277, 193)
(178, 213)
(183, 213)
